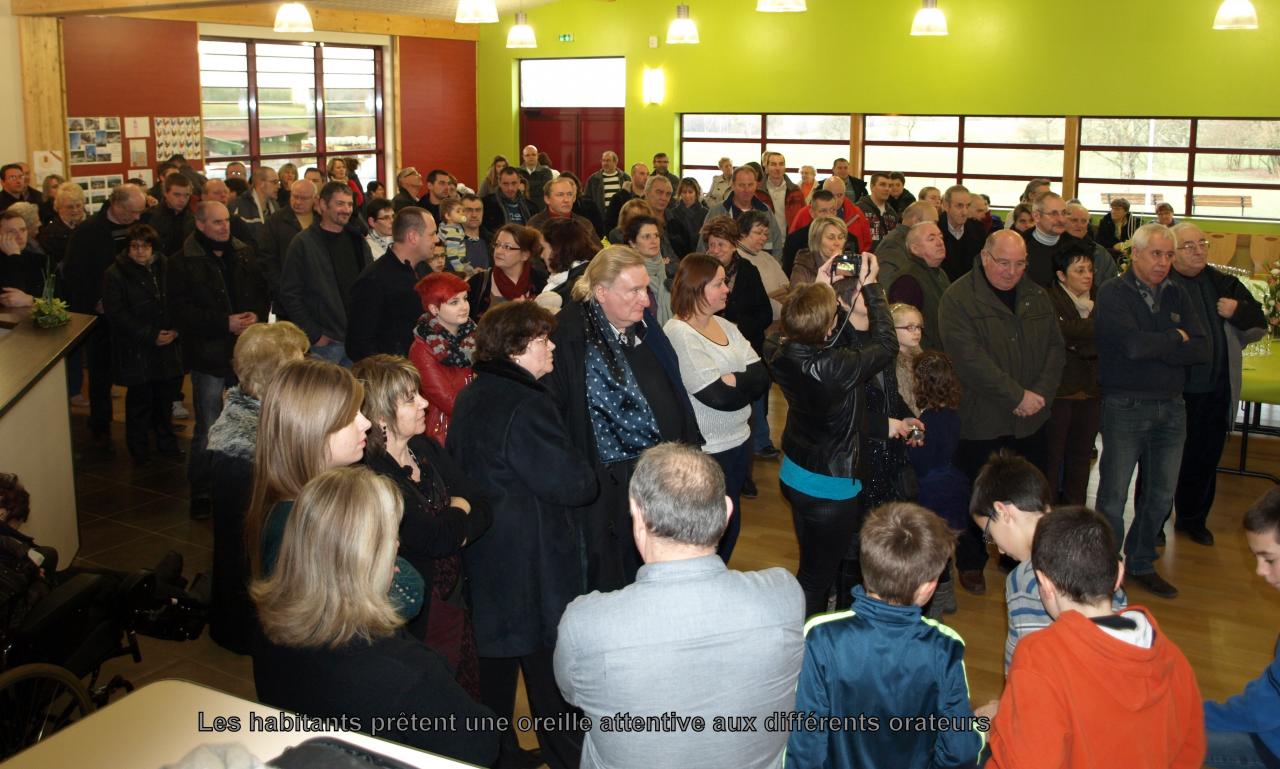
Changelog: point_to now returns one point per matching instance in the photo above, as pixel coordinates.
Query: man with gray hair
(1047, 238)
(1104, 264)
(90, 251)
(216, 291)
(892, 252)
(921, 281)
(691, 639)
(962, 236)
(281, 228)
(1150, 333)
(258, 202)
(535, 176)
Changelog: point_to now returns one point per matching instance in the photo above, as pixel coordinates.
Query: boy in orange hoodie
(1095, 688)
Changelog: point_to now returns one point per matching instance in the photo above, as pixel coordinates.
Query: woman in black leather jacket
(822, 368)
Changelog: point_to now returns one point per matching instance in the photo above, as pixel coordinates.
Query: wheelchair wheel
(35, 701)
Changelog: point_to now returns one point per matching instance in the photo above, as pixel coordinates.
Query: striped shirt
(611, 184)
(1026, 610)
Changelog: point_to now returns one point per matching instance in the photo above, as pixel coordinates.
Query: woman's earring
(384, 433)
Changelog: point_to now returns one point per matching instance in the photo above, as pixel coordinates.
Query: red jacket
(859, 227)
(440, 386)
(1080, 698)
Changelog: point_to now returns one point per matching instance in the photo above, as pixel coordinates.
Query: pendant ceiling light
(1236, 14)
(476, 12)
(682, 30)
(521, 34)
(929, 20)
(293, 17)
(781, 6)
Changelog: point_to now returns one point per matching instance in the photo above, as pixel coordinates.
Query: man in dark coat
(172, 219)
(14, 187)
(962, 236)
(384, 306)
(216, 291)
(91, 250)
(507, 205)
(617, 383)
(1047, 238)
(281, 228)
(320, 268)
(1233, 318)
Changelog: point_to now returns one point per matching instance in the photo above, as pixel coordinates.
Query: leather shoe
(769, 452)
(973, 581)
(1154, 584)
(749, 490)
(1200, 536)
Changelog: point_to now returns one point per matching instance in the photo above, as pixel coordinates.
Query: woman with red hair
(443, 343)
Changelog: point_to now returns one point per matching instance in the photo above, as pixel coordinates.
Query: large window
(996, 156)
(269, 103)
(1201, 166)
(805, 140)
(1218, 167)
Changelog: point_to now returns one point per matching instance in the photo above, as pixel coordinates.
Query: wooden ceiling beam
(109, 7)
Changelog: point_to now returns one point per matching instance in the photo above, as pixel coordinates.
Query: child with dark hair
(1096, 687)
(944, 489)
(1244, 731)
(858, 690)
(1010, 497)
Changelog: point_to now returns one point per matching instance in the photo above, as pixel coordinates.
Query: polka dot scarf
(621, 418)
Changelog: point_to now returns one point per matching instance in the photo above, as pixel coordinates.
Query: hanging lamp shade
(1236, 14)
(293, 17)
(929, 20)
(682, 30)
(781, 6)
(476, 12)
(521, 34)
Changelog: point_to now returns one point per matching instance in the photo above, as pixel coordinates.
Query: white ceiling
(438, 9)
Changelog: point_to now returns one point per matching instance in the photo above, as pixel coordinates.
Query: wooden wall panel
(40, 42)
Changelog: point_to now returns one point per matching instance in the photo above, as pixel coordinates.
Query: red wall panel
(438, 106)
(129, 68)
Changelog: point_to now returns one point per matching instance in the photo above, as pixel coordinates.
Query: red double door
(573, 137)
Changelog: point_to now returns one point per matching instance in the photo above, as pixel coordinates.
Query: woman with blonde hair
(340, 171)
(288, 174)
(489, 184)
(827, 238)
(443, 511)
(310, 422)
(332, 640)
(617, 381)
(259, 353)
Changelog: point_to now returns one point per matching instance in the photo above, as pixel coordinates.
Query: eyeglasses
(405, 173)
(1191, 245)
(1054, 214)
(986, 530)
(910, 327)
(386, 217)
(506, 247)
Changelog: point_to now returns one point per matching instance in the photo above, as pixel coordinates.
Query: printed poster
(94, 140)
(179, 136)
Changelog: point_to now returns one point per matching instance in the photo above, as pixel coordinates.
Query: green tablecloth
(1260, 377)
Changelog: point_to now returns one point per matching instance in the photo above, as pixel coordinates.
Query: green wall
(1016, 57)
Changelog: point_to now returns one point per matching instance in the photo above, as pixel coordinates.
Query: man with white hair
(963, 236)
(691, 638)
(1233, 319)
(892, 252)
(1150, 333)
(921, 282)
(1104, 264)
(535, 176)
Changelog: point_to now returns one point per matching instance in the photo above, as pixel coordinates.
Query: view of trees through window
(304, 103)
(1202, 166)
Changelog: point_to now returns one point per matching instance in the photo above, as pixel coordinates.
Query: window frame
(762, 144)
(255, 158)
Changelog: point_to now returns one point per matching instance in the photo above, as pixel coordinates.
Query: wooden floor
(1225, 618)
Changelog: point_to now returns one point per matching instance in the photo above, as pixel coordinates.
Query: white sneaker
(180, 411)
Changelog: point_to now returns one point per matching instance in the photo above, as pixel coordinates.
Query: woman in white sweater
(721, 372)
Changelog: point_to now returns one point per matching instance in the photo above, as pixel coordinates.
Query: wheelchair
(51, 662)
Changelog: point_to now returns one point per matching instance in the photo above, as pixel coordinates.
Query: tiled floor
(130, 516)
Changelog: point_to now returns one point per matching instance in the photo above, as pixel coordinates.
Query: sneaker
(180, 411)
(1154, 584)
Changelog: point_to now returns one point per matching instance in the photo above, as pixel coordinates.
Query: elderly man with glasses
(1047, 238)
(1001, 331)
(1233, 319)
(409, 183)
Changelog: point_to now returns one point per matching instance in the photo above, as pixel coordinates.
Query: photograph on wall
(97, 189)
(95, 140)
(138, 152)
(179, 136)
(137, 127)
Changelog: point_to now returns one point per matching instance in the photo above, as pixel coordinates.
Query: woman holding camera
(823, 367)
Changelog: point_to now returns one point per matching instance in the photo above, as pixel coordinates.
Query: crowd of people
(448, 438)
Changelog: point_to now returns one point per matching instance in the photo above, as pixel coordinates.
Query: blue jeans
(334, 352)
(760, 439)
(1237, 750)
(1150, 431)
(206, 402)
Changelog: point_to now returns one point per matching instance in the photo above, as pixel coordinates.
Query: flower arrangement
(1271, 301)
(49, 311)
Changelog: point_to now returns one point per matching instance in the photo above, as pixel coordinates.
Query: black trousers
(824, 529)
(1070, 436)
(99, 355)
(148, 408)
(971, 455)
(560, 749)
(609, 556)
(1207, 416)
